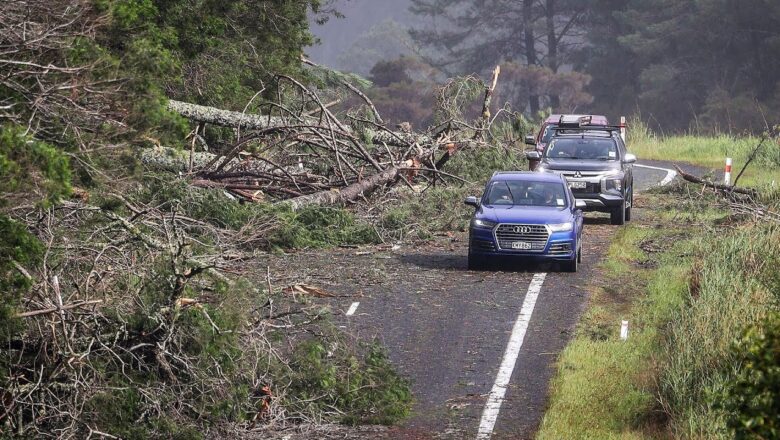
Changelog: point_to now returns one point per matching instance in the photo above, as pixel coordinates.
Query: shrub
(363, 386)
(752, 402)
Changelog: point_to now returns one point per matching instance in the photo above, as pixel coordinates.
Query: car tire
(629, 207)
(618, 216)
(572, 265)
(477, 263)
(579, 256)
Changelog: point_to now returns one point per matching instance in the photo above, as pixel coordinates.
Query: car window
(548, 133)
(517, 192)
(579, 148)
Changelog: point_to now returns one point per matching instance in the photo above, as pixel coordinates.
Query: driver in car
(565, 150)
(499, 195)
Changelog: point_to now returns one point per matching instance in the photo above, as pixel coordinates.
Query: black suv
(597, 166)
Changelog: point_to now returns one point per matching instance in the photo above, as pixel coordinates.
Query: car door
(628, 169)
(578, 215)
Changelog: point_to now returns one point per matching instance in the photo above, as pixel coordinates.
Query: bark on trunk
(347, 194)
(552, 49)
(530, 49)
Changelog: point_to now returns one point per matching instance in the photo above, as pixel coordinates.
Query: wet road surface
(448, 329)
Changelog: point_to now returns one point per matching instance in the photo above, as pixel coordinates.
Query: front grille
(537, 235)
(560, 248)
(482, 245)
(568, 174)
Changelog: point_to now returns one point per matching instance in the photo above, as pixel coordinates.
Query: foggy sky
(339, 34)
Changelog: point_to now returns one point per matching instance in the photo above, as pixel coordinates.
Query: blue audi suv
(526, 214)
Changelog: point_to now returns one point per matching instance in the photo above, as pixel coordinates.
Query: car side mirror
(472, 201)
(630, 158)
(580, 204)
(530, 140)
(533, 155)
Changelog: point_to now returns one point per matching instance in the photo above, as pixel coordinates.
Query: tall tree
(713, 62)
(472, 36)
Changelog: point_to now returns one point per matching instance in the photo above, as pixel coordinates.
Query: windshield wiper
(510, 193)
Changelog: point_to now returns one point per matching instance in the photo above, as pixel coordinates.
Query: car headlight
(562, 227)
(479, 223)
(616, 184)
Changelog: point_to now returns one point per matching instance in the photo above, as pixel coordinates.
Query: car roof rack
(587, 127)
(572, 121)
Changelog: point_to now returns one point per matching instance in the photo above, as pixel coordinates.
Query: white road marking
(352, 308)
(670, 174)
(496, 396)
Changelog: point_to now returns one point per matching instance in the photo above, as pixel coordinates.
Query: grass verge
(690, 279)
(710, 152)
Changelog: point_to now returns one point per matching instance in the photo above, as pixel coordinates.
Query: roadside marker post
(623, 128)
(727, 174)
(624, 330)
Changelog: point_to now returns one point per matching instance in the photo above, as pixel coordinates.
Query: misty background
(680, 65)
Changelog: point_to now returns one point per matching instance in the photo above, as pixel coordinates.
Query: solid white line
(352, 308)
(670, 174)
(496, 396)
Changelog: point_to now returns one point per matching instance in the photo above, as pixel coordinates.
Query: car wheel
(629, 207)
(573, 265)
(579, 256)
(477, 263)
(618, 216)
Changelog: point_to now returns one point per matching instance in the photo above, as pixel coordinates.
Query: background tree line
(710, 65)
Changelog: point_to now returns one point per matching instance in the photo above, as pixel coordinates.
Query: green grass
(690, 278)
(733, 287)
(710, 152)
(604, 387)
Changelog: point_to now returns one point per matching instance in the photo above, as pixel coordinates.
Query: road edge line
(496, 397)
(670, 174)
(352, 309)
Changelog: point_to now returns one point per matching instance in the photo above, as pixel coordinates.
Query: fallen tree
(743, 201)
(718, 186)
(303, 154)
(249, 122)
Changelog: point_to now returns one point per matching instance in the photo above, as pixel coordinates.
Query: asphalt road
(456, 333)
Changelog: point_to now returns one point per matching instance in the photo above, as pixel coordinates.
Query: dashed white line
(352, 308)
(670, 174)
(497, 393)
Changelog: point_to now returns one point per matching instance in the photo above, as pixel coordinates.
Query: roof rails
(496, 173)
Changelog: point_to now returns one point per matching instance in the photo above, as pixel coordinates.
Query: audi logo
(522, 229)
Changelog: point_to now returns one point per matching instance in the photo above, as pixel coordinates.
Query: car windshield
(580, 148)
(518, 192)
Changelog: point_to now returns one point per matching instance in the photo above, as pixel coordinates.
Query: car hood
(532, 215)
(580, 165)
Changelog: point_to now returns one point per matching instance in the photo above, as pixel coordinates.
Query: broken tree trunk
(347, 194)
(726, 188)
(228, 118)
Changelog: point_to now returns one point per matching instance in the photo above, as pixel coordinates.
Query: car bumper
(600, 201)
(561, 246)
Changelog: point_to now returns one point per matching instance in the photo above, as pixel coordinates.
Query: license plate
(521, 245)
(578, 185)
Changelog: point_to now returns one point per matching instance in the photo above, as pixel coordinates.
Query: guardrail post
(727, 173)
(623, 128)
